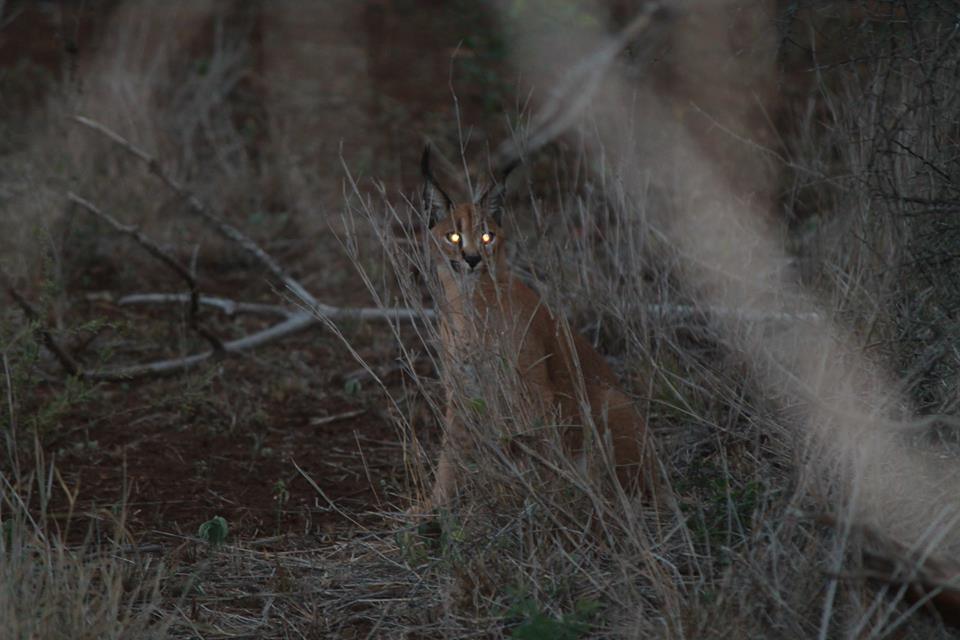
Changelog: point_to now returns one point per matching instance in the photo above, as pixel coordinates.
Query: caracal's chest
(488, 325)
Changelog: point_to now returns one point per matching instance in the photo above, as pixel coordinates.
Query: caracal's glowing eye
(453, 237)
(487, 237)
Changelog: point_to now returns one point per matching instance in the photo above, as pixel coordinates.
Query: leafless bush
(889, 122)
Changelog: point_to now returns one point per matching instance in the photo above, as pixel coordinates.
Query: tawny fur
(486, 309)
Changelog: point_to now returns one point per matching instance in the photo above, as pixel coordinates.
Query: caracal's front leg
(454, 439)
(445, 483)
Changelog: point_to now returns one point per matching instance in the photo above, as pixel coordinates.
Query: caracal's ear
(436, 202)
(492, 201)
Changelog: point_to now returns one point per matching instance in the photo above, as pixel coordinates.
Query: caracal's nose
(473, 261)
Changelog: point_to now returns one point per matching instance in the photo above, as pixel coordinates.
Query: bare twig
(333, 506)
(154, 250)
(198, 208)
(65, 359)
(293, 320)
(319, 422)
(149, 245)
(227, 306)
(295, 323)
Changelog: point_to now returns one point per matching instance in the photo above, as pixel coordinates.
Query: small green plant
(478, 405)
(352, 387)
(214, 531)
(721, 507)
(441, 534)
(538, 625)
(413, 544)
(281, 495)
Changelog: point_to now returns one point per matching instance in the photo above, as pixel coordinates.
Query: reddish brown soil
(223, 441)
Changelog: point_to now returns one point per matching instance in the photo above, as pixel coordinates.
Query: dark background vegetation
(297, 122)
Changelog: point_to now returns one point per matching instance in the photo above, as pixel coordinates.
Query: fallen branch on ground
(151, 247)
(228, 307)
(196, 206)
(293, 320)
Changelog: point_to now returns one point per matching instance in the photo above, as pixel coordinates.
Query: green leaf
(351, 387)
(214, 531)
(541, 626)
(478, 405)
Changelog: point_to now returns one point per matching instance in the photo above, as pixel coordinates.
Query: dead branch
(229, 307)
(154, 250)
(197, 207)
(295, 323)
(668, 313)
(346, 415)
(293, 320)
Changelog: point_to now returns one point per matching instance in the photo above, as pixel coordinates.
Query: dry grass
(754, 436)
(103, 587)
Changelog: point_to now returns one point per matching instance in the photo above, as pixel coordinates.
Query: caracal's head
(468, 238)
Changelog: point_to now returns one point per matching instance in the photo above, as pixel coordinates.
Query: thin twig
(294, 320)
(294, 324)
(65, 359)
(11, 435)
(157, 252)
(225, 305)
(319, 422)
(333, 506)
(198, 208)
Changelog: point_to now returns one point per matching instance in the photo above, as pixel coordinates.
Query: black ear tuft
(493, 199)
(436, 202)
